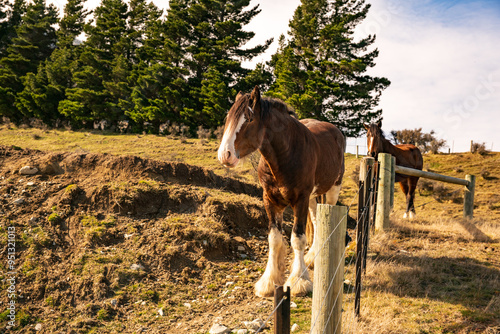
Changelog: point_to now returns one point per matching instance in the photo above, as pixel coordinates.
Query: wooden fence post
(357, 151)
(328, 266)
(384, 192)
(364, 204)
(282, 314)
(469, 196)
(373, 215)
(393, 180)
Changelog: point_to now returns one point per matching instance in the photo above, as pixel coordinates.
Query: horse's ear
(238, 96)
(379, 124)
(255, 95)
(255, 100)
(367, 127)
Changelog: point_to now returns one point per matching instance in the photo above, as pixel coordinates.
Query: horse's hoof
(299, 286)
(405, 215)
(412, 215)
(265, 286)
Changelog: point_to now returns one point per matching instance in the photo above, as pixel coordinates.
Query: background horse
(407, 155)
(299, 161)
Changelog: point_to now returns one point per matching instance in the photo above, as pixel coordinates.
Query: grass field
(437, 273)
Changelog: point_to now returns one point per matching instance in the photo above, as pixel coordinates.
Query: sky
(441, 56)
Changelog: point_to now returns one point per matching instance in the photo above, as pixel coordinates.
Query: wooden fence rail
(387, 171)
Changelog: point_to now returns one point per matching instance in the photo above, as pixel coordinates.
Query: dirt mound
(100, 237)
(106, 166)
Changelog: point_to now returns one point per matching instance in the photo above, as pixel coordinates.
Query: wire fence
(347, 307)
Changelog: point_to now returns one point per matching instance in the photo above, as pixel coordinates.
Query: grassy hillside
(143, 233)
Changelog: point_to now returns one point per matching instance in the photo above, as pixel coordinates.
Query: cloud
(442, 59)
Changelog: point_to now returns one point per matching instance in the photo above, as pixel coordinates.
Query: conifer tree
(106, 42)
(43, 92)
(72, 23)
(10, 19)
(321, 69)
(211, 36)
(34, 42)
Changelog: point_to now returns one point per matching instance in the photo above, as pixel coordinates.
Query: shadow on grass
(474, 231)
(460, 281)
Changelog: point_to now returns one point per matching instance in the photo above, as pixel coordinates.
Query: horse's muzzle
(228, 159)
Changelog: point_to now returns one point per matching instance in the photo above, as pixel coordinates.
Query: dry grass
(436, 275)
(198, 152)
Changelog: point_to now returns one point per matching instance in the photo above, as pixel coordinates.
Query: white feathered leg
(275, 269)
(299, 281)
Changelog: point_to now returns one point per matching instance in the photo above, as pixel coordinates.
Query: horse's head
(243, 131)
(374, 138)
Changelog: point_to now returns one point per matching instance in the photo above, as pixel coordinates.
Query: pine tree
(211, 36)
(320, 70)
(43, 92)
(72, 23)
(10, 19)
(34, 42)
(143, 31)
(90, 100)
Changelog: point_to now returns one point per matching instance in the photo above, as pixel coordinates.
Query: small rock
(253, 325)
(30, 184)
(293, 305)
(295, 328)
(38, 327)
(229, 283)
(241, 249)
(19, 201)
(160, 312)
(187, 305)
(128, 235)
(219, 329)
(28, 170)
(136, 266)
(114, 302)
(205, 243)
(241, 331)
(243, 256)
(143, 302)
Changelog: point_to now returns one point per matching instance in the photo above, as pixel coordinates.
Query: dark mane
(269, 103)
(379, 130)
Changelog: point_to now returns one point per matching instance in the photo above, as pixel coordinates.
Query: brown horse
(407, 155)
(300, 160)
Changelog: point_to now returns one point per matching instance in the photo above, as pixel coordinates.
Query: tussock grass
(433, 275)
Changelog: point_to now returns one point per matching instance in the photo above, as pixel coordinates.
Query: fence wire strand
(320, 249)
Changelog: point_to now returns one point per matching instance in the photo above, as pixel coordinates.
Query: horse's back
(410, 156)
(331, 143)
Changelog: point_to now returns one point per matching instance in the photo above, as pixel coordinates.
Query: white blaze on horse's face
(370, 144)
(227, 154)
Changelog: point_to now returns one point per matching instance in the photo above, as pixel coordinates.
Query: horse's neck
(277, 140)
(387, 147)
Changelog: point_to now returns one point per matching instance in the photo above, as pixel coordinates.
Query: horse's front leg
(299, 281)
(275, 269)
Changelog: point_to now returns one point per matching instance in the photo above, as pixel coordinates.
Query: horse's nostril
(227, 155)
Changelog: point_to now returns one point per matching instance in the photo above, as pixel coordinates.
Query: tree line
(135, 63)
